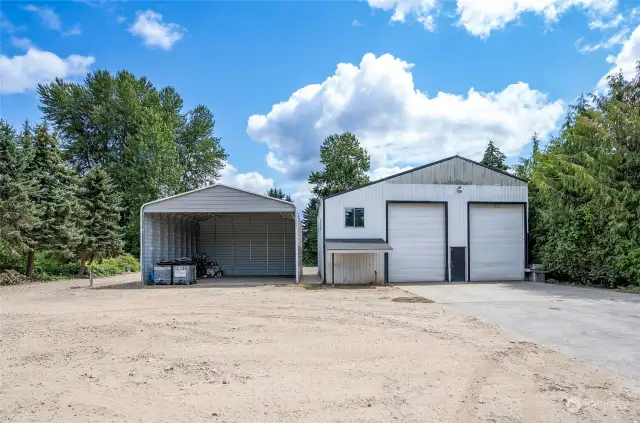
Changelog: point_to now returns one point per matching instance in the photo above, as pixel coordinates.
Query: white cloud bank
(19, 74)
(149, 26)
(397, 123)
(625, 61)
(48, 17)
(481, 17)
(251, 181)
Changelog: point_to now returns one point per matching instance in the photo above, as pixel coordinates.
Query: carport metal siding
(167, 231)
(166, 236)
(251, 244)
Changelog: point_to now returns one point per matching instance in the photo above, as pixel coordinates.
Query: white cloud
(274, 163)
(51, 20)
(154, 32)
(421, 10)
(481, 17)
(121, 19)
(7, 25)
(384, 172)
(601, 24)
(251, 181)
(74, 30)
(356, 23)
(397, 123)
(625, 60)
(21, 43)
(23, 73)
(48, 17)
(614, 40)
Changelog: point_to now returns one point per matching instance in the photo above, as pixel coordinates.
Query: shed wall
(374, 197)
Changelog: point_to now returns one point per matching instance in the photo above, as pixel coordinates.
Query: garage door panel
(417, 235)
(496, 242)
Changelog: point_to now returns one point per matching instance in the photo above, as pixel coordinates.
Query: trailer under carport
(248, 234)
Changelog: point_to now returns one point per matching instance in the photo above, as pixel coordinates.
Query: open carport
(248, 234)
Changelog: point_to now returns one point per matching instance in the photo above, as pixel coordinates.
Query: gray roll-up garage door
(496, 235)
(417, 235)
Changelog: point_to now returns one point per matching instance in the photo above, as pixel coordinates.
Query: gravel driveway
(280, 354)
(595, 325)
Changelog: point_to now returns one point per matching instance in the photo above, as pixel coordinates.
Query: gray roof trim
(427, 165)
(213, 186)
(361, 244)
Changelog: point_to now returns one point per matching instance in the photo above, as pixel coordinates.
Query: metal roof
(424, 166)
(363, 244)
(213, 186)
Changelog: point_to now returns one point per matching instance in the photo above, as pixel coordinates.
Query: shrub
(11, 277)
(116, 266)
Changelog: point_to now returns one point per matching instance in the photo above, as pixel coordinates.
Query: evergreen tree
(18, 213)
(346, 165)
(310, 233)
(587, 185)
(279, 194)
(100, 230)
(54, 197)
(149, 145)
(494, 158)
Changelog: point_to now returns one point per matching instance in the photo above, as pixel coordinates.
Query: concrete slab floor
(597, 326)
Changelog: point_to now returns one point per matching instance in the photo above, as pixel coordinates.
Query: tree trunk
(31, 257)
(83, 260)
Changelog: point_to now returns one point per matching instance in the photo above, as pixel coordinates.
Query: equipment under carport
(180, 271)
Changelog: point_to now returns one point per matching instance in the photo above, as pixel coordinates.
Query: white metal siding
(321, 251)
(356, 268)
(298, 248)
(417, 236)
(496, 234)
(374, 197)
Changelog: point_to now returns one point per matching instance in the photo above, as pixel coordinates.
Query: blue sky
(415, 80)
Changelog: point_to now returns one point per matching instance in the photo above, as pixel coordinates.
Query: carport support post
(333, 265)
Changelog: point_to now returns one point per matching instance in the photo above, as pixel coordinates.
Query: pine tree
(18, 213)
(54, 197)
(99, 223)
(494, 158)
(310, 233)
(279, 194)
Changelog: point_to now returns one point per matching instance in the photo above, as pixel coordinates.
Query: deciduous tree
(345, 165)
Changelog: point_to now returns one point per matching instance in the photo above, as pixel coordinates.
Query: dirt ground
(280, 354)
